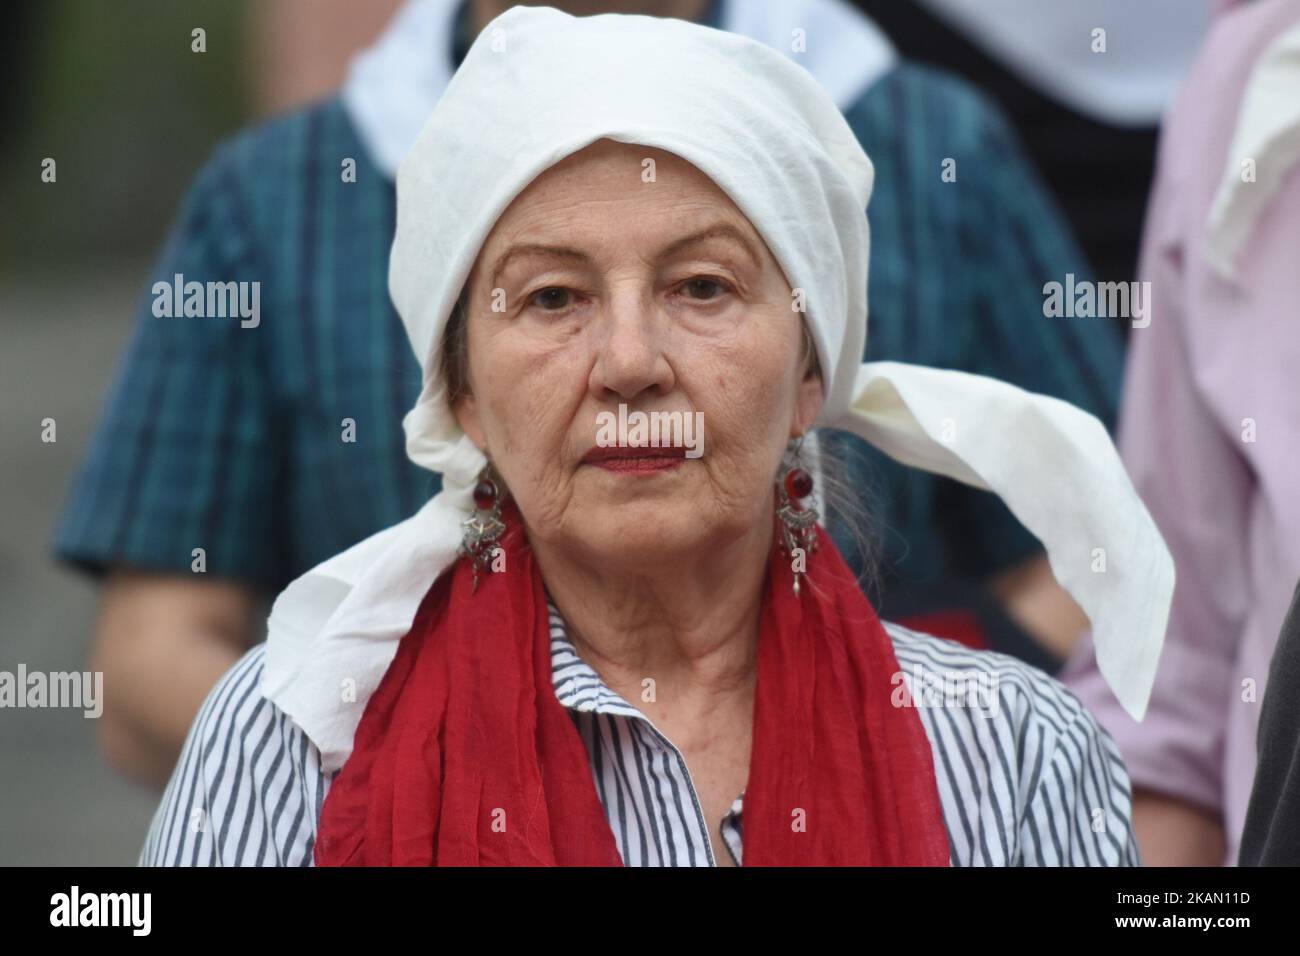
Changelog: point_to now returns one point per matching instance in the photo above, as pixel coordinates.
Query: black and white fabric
(1026, 775)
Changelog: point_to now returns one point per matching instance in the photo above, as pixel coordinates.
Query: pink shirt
(1218, 359)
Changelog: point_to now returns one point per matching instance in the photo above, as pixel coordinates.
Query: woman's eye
(551, 299)
(703, 288)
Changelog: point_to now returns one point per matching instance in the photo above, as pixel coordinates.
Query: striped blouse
(1026, 776)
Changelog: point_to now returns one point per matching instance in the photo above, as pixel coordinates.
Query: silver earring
(798, 521)
(483, 528)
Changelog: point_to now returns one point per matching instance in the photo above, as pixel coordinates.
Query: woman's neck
(680, 644)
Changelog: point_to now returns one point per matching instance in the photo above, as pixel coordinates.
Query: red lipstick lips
(640, 459)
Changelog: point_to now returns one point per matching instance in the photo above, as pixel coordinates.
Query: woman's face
(600, 287)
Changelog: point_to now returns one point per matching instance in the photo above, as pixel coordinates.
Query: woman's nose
(630, 355)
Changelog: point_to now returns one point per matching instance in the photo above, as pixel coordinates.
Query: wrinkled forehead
(619, 187)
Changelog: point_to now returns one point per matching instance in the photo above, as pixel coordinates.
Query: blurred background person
(1085, 86)
(1209, 429)
(1271, 836)
(126, 110)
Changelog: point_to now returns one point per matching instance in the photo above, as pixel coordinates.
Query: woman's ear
(466, 411)
(808, 393)
(808, 403)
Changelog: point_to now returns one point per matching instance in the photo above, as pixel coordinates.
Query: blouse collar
(577, 685)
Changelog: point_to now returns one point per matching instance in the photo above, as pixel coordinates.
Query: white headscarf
(538, 85)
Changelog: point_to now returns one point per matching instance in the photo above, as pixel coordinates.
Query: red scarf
(464, 755)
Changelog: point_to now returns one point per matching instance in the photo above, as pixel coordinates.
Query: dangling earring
(484, 527)
(797, 520)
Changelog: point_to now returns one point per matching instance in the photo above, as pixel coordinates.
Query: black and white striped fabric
(1026, 776)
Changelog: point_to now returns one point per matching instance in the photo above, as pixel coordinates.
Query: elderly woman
(611, 645)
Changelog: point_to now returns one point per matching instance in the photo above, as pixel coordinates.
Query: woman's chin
(651, 531)
(656, 484)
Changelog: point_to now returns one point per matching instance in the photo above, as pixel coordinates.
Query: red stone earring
(798, 521)
(484, 527)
